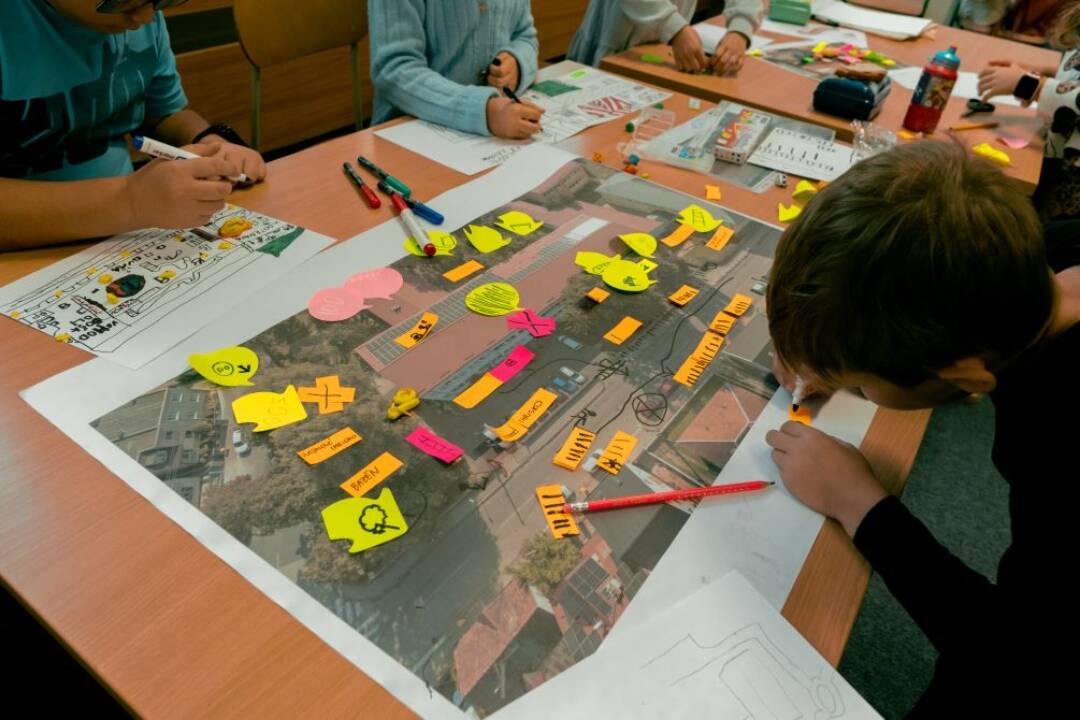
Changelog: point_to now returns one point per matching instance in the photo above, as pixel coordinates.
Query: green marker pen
(384, 176)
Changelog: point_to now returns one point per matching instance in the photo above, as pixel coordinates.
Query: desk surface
(171, 629)
(764, 85)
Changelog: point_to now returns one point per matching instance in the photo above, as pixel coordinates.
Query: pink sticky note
(381, 283)
(428, 442)
(341, 303)
(1014, 142)
(528, 320)
(518, 358)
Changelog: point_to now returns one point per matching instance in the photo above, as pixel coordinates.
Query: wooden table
(767, 86)
(175, 632)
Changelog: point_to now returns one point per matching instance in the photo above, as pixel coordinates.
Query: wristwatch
(224, 131)
(1028, 86)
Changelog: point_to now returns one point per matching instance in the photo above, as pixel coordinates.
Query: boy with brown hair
(919, 276)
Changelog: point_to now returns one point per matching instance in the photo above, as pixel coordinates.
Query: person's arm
(744, 17)
(662, 12)
(401, 76)
(524, 46)
(1058, 105)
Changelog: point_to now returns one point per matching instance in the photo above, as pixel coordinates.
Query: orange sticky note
(598, 295)
(371, 475)
(720, 238)
(712, 192)
(419, 331)
(575, 447)
(679, 236)
(722, 323)
(328, 393)
(622, 332)
(683, 295)
(698, 361)
(524, 417)
(462, 271)
(552, 504)
(802, 415)
(475, 393)
(617, 452)
(331, 446)
(739, 305)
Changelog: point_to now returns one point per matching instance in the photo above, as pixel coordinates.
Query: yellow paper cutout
(231, 366)
(419, 331)
(987, 151)
(462, 271)
(683, 295)
(739, 305)
(802, 415)
(493, 299)
(598, 295)
(478, 391)
(786, 214)
(58, 293)
(328, 393)
(14, 314)
(376, 471)
(329, 447)
(575, 448)
(722, 323)
(699, 218)
(804, 191)
(486, 239)
(167, 275)
(62, 337)
(111, 299)
(104, 278)
(518, 223)
(647, 265)
(366, 522)
(720, 238)
(617, 452)
(643, 244)
(269, 410)
(678, 236)
(444, 243)
(622, 332)
(697, 362)
(234, 227)
(712, 192)
(595, 263)
(524, 417)
(404, 400)
(627, 276)
(552, 504)
(225, 245)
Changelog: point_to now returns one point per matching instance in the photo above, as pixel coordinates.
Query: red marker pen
(411, 226)
(369, 194)
(662, 497)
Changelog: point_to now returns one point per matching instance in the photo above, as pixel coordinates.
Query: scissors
(974, 105)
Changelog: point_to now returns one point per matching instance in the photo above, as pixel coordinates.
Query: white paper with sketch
(967, 85)
(711, 35)
(804, 155)
(817, 32)
(720, 652)
(876, 22)
(574, 101)
(132, 297)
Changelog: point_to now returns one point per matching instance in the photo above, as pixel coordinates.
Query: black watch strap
(222, 130)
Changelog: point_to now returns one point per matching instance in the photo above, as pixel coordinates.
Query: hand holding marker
(164, 151)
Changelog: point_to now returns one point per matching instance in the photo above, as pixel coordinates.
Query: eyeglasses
(123, 6)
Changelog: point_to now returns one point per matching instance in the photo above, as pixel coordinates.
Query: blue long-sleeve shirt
(428, 57)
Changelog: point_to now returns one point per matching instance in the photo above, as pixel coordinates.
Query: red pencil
(661, 497)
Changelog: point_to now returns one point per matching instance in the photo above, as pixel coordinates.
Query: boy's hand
(511, 120)
(824, 473)
(1000, 78)
(249, 161)
(506, 73)
(179, 193)
(686, 47)
(729, 53)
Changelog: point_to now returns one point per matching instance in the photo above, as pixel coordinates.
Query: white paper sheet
(817, 32)
(967, 84)
(794, 152)
(711, 35)
(890, 25)
(719, 652)
(132, 297)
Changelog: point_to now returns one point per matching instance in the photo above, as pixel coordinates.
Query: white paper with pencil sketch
(876, 22)
(720, 652)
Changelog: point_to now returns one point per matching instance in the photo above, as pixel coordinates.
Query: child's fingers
(529, 112)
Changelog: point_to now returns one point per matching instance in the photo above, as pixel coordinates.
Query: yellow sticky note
(698, 361)
(486, 239)
(225, 245)
(627, 276)
(712, 192)
(594, 263)
(269, 410)
(518, 222)
(366, 522)
(104, 278)
(111, 299)
(598, 295)
(617, 452)
(683, 295)
(444, 243)
(462, 271)
(475, 393)
(329, 447)
(62, 337)
(647, 265)
(524, 417)
(365, 479)
(328, 392)
(699, 218)
(419, 331)
(493, 299)
(802, 415)
(231, 366)
(622, 332)
(804, 191)
(722, 323)
(553, 504)
(739, 305)
(643, 244)
(575, 448)
(720, 238)
(679, 236)
(786, 214)
(987, 151)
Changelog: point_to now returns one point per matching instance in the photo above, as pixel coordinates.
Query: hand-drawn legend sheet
(119, 298)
